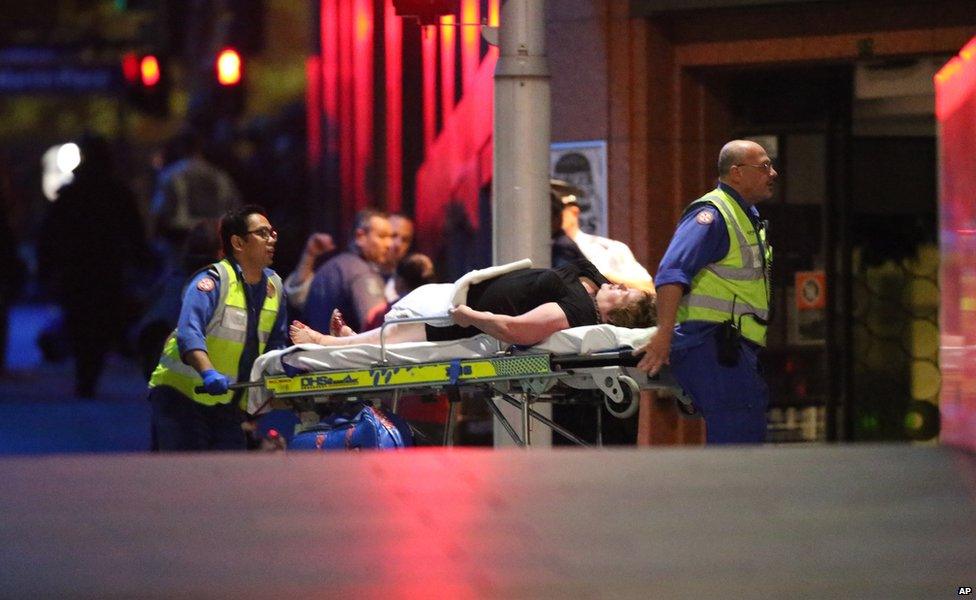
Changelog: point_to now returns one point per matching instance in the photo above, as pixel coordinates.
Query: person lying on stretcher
(520, 307)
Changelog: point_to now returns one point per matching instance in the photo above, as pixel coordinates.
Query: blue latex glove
(215, 382)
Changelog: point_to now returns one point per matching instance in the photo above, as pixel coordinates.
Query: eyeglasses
(266, 233)
(766, 166)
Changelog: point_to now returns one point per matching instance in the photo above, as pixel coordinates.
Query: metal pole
(520, 191)
(544, 420)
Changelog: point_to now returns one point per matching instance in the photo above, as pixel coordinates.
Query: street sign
(59, 79)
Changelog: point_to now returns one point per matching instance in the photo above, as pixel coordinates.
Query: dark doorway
(857, 213)
(802, 118)
(894, 274)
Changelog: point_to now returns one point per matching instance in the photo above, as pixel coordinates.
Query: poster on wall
(808, 317)
(584, 165)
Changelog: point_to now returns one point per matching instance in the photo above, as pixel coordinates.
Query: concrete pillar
(520, 191)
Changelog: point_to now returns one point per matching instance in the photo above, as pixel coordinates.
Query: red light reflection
(394, 107)
(955, 88)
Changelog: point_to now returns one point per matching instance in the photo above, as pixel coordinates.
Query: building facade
(840, 93)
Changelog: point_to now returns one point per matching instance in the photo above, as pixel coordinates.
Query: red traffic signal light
(228, 95)
(130, 68)
(230, 67)
(146, 85)
(428, 12)
(149, 71)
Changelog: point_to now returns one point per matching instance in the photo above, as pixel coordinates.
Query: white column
(520, 191)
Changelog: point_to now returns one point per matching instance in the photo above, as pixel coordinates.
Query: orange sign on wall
(811, 290)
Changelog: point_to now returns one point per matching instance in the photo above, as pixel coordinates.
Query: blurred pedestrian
(351, 281)
(400, 246)
(91, 246)
(564, 249)
(201, 248)
(232, 311)
(318, 246)
(13, 271)
(189, 190)
(612, 258)
(412, 272)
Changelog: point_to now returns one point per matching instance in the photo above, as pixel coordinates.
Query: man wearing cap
(713, 299)
(612, 258)
(564, 250)
(232, 311)
(604, 253)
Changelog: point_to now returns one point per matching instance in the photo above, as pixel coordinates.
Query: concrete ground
(39, 412)
(765, 522)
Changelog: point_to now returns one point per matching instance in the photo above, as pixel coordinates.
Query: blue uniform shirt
(350, 283)
(198, 309)
(697, 243)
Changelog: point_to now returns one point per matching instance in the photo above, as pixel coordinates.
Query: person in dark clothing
(352, 281)
(564, 249)
(13, 271)
(201, 248)
(412, 272)
(91, 243)
(520, 307)
(189, 190)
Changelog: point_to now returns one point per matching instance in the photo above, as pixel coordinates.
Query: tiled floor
(810, 522)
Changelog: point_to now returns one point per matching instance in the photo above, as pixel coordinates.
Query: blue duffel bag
(366, 428)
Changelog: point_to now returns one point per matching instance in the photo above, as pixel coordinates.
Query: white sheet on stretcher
(588, 339)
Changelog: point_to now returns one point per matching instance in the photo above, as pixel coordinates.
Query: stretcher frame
(519, 378)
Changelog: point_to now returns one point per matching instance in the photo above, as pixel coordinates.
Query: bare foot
(301, 333)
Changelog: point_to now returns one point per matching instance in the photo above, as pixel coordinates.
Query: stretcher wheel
(630, 402)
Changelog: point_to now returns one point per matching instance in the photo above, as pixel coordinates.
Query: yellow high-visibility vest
(225, 336)
(737, 286)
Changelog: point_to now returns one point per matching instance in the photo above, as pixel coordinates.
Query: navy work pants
(732, 400)
(180, 424)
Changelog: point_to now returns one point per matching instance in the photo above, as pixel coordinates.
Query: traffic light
(230, 69)
(146, 83)
(428, 12)
(149, 72)
(229, 90)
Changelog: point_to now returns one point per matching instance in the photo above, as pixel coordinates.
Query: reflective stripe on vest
(226, 335)
(736, 286)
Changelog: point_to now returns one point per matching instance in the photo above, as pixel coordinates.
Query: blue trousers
(732, 400)
(180, 424)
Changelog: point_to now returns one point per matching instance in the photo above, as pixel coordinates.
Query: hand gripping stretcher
(596, 357)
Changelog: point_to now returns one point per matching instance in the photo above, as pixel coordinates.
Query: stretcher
(596, 357)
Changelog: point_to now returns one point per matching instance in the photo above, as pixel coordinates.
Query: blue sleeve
(198, 308)
(701, 239)
(315, 305)
(278, 338)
